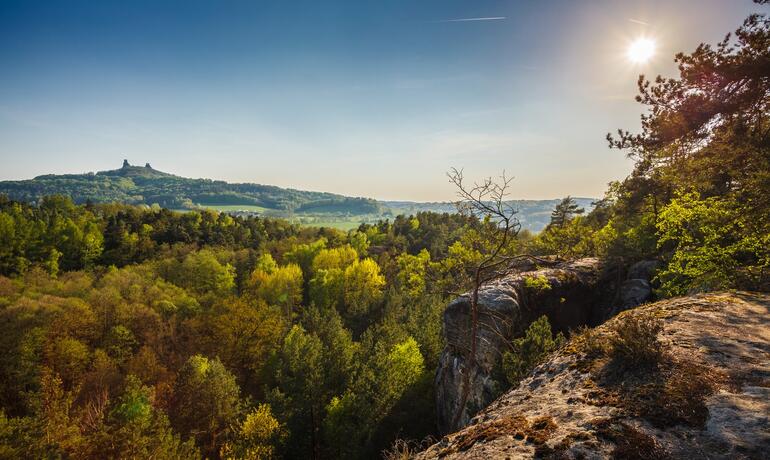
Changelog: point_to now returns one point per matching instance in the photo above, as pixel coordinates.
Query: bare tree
(487, 201)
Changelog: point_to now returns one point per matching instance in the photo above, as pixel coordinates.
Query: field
(236, 207)
(344, 223)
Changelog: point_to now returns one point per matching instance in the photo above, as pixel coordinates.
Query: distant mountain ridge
(144, 185)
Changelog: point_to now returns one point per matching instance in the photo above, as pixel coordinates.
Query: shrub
(528, 351)
(635, 340)
(406, 449)
(590, 342)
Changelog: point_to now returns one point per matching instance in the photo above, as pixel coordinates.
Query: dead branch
(486, 201)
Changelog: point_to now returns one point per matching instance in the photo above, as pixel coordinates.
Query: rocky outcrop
(565, 293)
(637, 288)
(708, 396)
(570, 294)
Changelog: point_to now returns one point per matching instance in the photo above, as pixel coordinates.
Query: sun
(641, 50)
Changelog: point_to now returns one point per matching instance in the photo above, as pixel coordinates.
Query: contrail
(492, 18)
(636, 21)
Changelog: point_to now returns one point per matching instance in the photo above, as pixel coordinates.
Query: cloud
(637, 21)
(490, 18)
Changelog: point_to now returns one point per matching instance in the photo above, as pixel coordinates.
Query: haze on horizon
(375, 100)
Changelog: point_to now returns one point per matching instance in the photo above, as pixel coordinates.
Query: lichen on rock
(705, 395)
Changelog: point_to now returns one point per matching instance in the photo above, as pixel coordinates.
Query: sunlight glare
(641, 50)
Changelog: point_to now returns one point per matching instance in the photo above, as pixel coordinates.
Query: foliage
(705, 140)
(257, 436)
(537, 283)
(379, 386)
(304, 254)
(244, 334)
(201, 272)
(411, 272)
(572, 239)
(363, 287)
(187, 323)
(61, 235)
(140, 430)
(565, 211)
(709, 245)
(300, 370)
(206, 402)
(528, 351)
(339, 258)
(282, 286)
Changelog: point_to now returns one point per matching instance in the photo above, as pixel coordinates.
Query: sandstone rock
(581, 292)
(710, 397)
(643, 270)
(634, 292)
(506, 308)
(637, 288)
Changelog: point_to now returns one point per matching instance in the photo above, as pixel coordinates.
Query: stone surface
(506, 308)
(558, 411)
(637, 289)
(581, 292)
(643, 270)
(634, 292)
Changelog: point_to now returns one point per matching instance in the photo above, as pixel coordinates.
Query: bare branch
(487, 201)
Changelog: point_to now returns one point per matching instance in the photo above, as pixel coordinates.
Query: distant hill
(146, 185)
(533, 215)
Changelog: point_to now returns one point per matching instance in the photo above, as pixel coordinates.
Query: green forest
(140, 332)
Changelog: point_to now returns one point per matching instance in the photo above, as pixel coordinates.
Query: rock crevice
(571, 294)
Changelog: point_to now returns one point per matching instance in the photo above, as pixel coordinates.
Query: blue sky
(362, 98)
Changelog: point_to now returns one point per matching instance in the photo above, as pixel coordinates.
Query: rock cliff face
(570, 294)
(708, 395)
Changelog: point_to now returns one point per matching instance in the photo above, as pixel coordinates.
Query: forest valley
(132, 332)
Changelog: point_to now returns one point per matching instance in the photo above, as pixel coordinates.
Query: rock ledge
(709, 398)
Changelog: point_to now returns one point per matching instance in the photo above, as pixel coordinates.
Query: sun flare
(641, 50)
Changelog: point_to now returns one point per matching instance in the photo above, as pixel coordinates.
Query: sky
(362, 98)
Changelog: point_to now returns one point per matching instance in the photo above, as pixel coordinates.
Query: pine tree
(565, 211)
